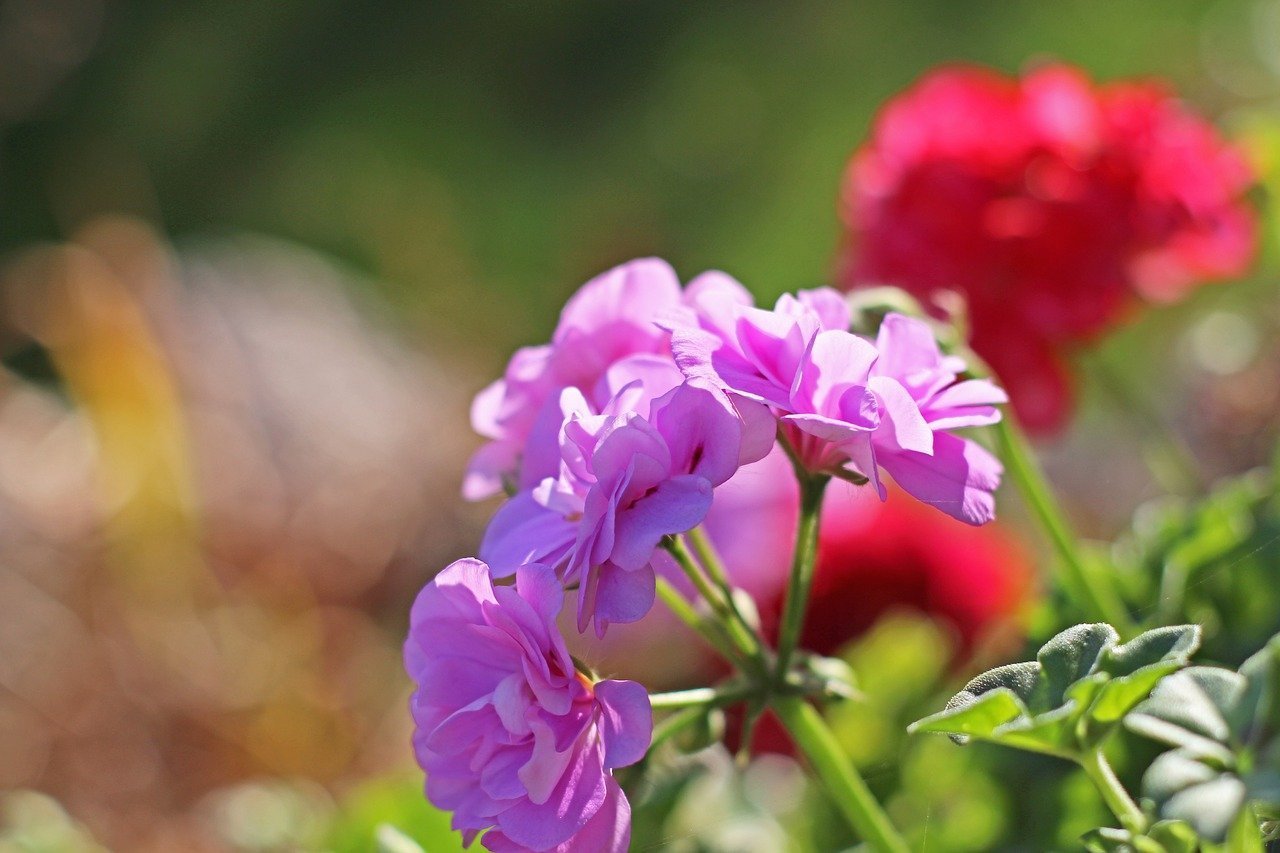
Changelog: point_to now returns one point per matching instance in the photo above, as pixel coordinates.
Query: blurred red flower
(1050, 203)
(876, 559)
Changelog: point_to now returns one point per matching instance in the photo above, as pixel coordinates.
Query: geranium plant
(613, 442)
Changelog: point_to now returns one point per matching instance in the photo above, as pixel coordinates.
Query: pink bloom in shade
(512, 738)
(1052, 204)
(608, 335)
(624, 482)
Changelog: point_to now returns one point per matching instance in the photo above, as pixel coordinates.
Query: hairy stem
(745, 641)
(723, 694)
(848, 790)
(1113, 793)
(712, 632)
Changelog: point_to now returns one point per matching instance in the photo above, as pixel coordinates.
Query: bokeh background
(258, 257)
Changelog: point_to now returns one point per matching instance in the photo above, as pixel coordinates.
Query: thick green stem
(812, 488)
(1094, 592)
(849, 792)
(1113, 793)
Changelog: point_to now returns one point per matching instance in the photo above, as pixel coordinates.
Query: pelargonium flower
(624, 482)
(755, 352)
(1051, 204)
(512, 738)
(847, 405)
(607, 336)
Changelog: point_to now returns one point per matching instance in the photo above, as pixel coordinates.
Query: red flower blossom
(1051, 204)
(873, 560)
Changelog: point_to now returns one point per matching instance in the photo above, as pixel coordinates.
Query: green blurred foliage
(494, 155)
(396, 803)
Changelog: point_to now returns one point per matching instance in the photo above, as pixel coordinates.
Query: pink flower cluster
(1051, 203)
(608, 439)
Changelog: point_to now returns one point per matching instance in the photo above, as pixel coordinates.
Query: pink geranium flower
(512, 738)
(608, 335)
(624, 482)
(849, 406)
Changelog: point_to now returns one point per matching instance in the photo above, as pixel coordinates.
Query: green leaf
(1173, 644)
(1119, 696)
(1245, 835)
(1069, 657)
(1190, 709)
(1052, 732)
(1173, 772)
(976, 716)
(1257, 713)
(1210, 807)
(1175, 836)
(1070, 698)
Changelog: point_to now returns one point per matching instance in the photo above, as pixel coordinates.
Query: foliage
(1068, 700)
(1225, 730)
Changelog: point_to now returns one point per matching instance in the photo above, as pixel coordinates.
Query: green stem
(743, 638)
(724, 694)
(675, 724)
(812, 488)
(709, 631)
(847, 788)
(1113, 793)
(1169, 459)
(709, 557)
(1094, 592)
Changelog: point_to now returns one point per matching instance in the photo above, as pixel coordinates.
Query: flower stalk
(800, 583)
(1113, 793)
(1094, 592)
(848, 790)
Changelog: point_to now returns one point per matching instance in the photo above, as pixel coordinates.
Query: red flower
(877, 558)
(1051, 204)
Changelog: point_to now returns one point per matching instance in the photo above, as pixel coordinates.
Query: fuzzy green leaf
(1081, 684)
(974, 716)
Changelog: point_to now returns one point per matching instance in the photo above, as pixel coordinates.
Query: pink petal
(958, 478)
(676, 505)
(626, 721)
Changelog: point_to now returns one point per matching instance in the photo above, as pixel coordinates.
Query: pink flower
(1052, 204)
(846, 405)
(607, 336)
(624, 482)
(512, 738)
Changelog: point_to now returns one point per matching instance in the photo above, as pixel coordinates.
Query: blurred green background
(483, 159)
(454, 171)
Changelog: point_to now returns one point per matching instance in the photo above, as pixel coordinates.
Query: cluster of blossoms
(608, 440)
(1051, 204)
